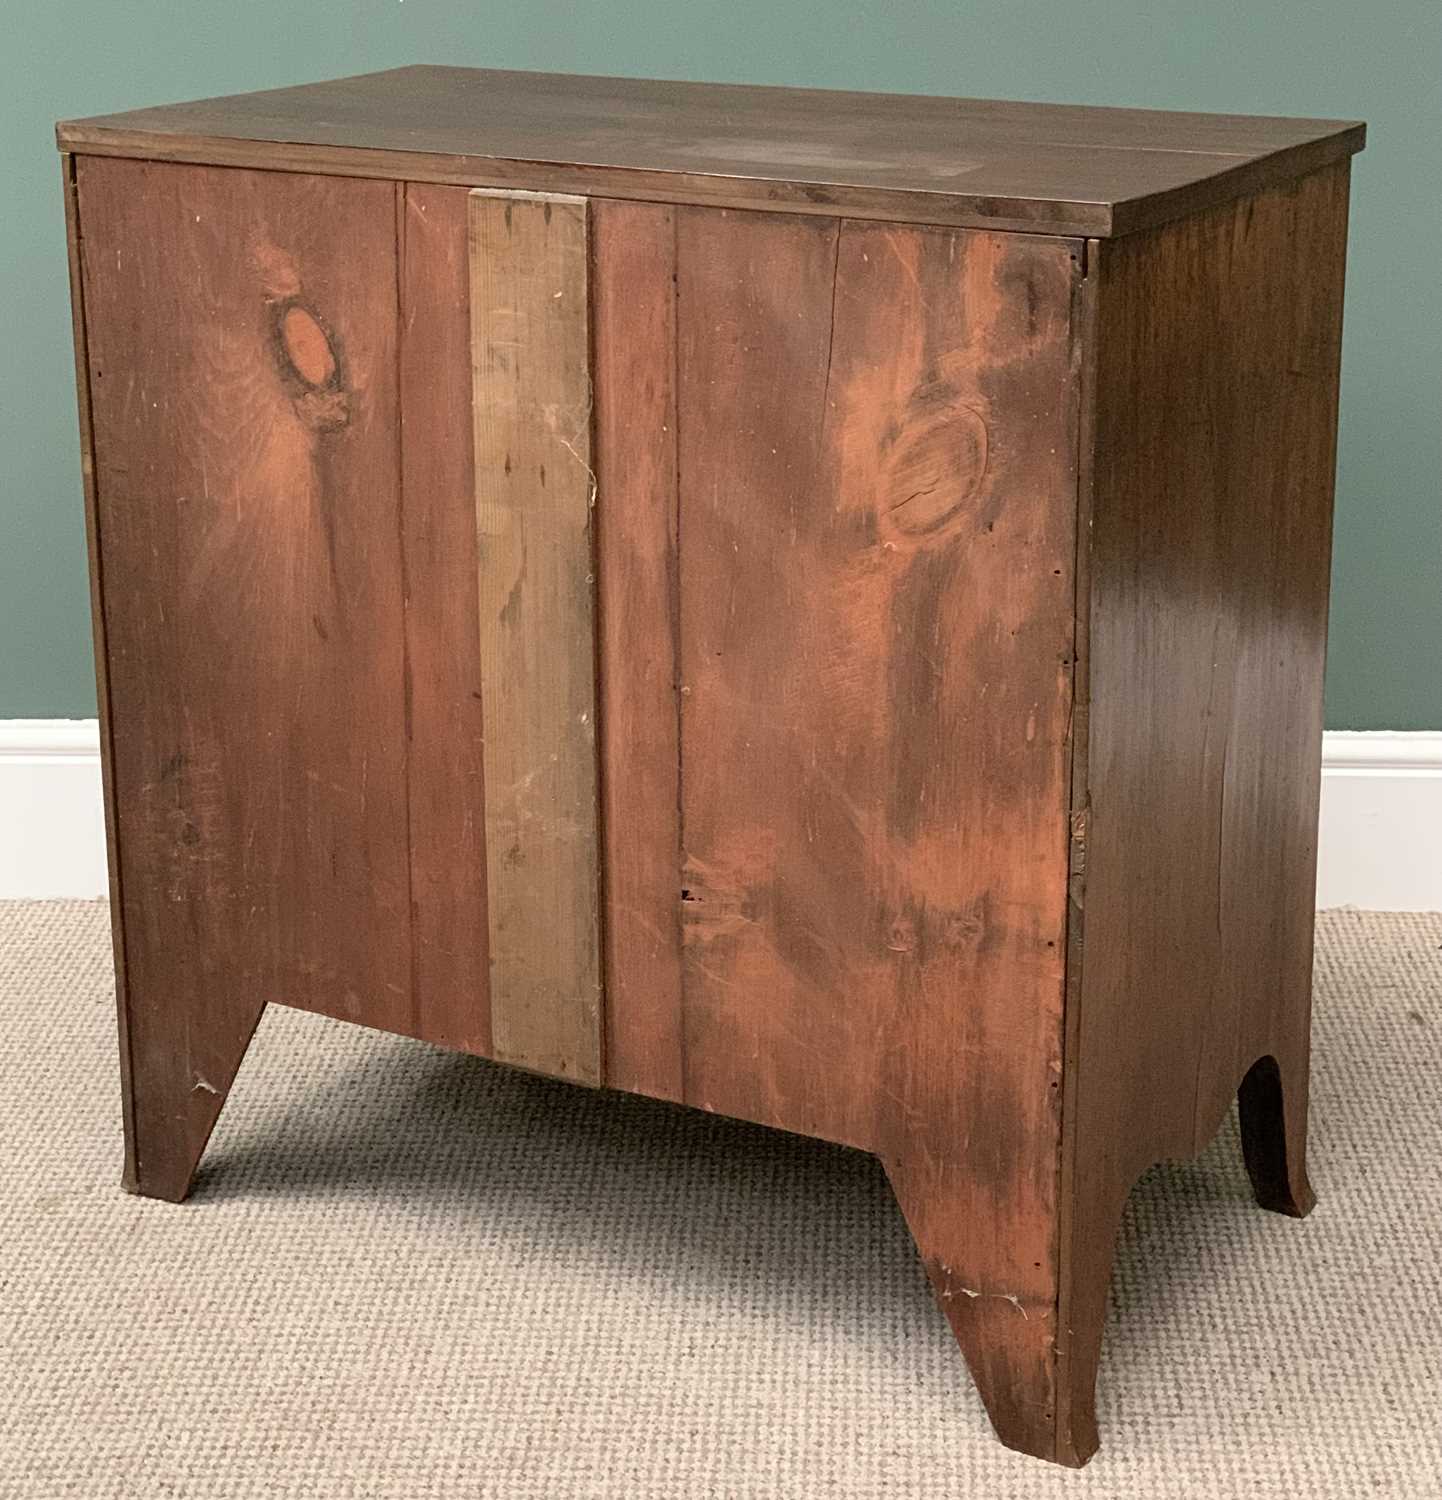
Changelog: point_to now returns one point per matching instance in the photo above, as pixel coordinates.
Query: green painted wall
(1380, 60)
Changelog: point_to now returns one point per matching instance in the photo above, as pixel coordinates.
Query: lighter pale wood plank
(535, 492)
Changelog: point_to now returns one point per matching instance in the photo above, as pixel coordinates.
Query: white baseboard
(1381, 837)
(1380, 848)
(52, 818)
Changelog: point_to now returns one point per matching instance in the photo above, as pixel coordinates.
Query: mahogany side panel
(444, 727)
(242, 371)
(634, 354)
(1214, 411)
(73, 235)
(877, 499)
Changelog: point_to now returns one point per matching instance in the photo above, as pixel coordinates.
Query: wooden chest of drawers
(807, 605)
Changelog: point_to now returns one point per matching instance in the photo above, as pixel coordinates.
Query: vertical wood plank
(878, 489)
(535, 489)
(444, 724)
(635, 331)
(242, 370)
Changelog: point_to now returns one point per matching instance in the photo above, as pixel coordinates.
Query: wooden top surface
(1048, 168)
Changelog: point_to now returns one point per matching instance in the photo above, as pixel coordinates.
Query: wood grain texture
(634, 259)
(877, 491)
(73, 242)
(252, 613)
(952, 635)
(1059, 169)
(444, 725)
(1209, 518)
(535, 488)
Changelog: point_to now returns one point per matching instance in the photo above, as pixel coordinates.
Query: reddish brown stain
(874, 514)
(443, 699)
(933, 470)
(264, 842)
(276, 268)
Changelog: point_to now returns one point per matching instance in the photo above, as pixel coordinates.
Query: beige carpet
(411, 1274)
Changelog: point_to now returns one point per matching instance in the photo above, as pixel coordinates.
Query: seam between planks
(1085, 321)
(402, 202)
